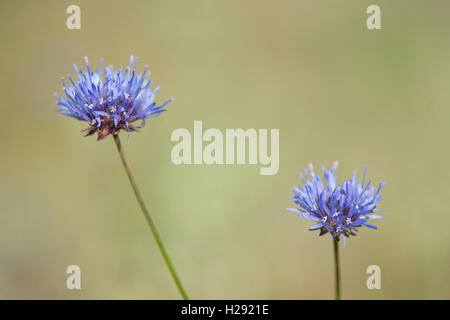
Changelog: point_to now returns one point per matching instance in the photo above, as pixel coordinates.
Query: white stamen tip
(335, 164)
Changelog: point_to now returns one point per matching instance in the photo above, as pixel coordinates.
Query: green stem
(149, 218)
(336, 269)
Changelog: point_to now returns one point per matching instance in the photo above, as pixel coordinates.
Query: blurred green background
(312, 69)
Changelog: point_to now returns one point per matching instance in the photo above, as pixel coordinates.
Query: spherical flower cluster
(112, 103)
(338, 209)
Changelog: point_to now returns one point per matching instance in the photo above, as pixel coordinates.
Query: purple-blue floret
(110, 100)
(338, 209)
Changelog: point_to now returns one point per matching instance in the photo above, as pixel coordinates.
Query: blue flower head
(338, 209)
(110, 100)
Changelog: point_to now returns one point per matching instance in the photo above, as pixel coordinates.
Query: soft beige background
(310, 68)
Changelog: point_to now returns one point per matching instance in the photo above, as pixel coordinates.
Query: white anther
(113, 109)
(324, 219)
(338, 229)
(336, 214)
(126, 95)
(348, 221)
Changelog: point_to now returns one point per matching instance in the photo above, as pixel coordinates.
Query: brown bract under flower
(107, 127)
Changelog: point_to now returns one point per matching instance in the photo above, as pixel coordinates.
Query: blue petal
(316, 226)
(374, 216)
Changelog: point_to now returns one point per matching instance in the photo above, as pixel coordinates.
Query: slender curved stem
(336, 269)
(149, 218)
